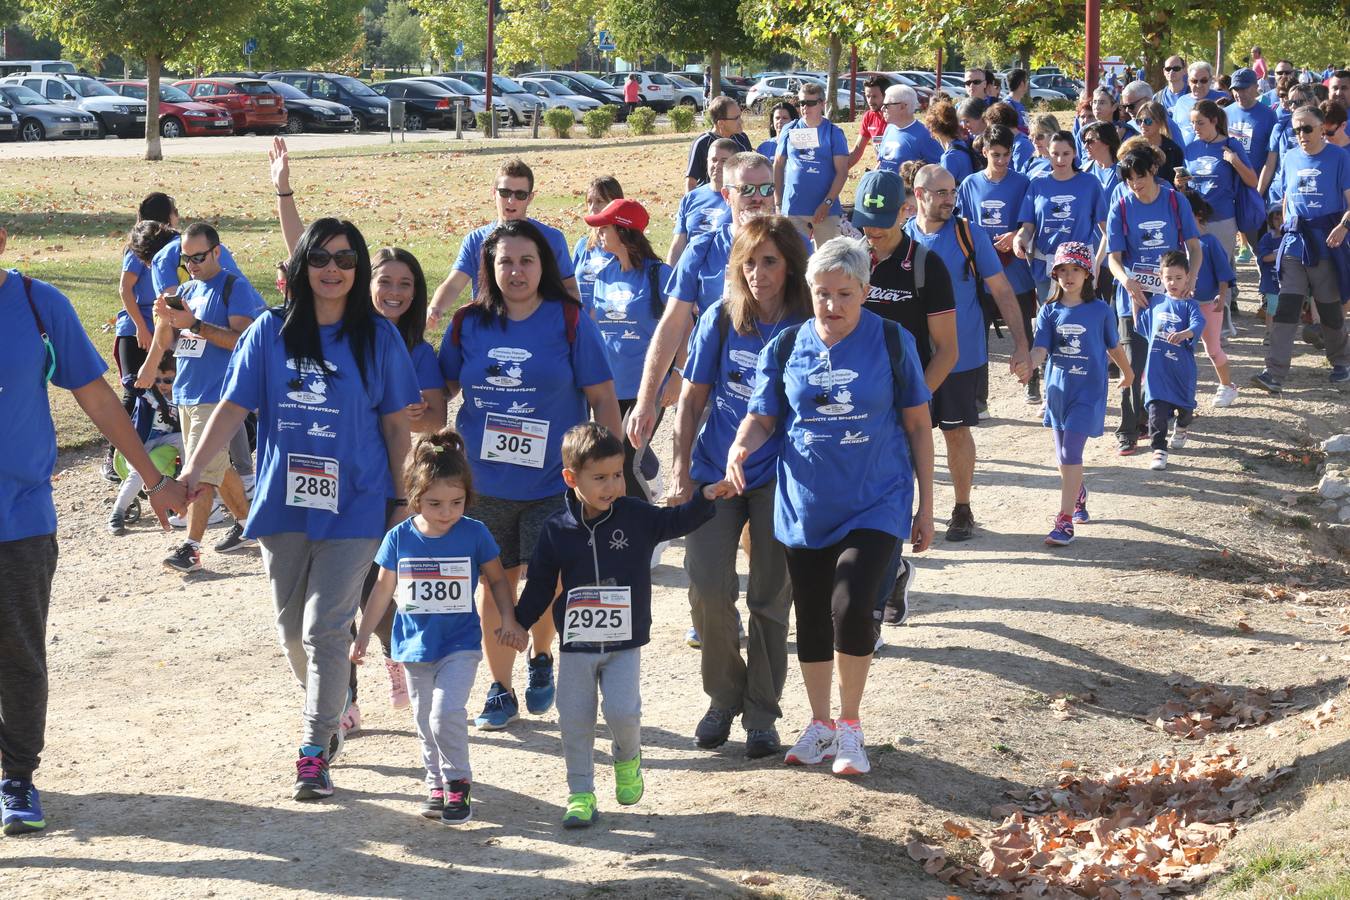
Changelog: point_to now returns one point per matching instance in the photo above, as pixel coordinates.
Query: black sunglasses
(973, 82)
(319, 258)
(1303, 129)
(1174, 68)
(749, 190)
(199, 258)
(507, 193)
(808, 102)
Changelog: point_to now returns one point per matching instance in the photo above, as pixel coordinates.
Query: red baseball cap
(626, 213)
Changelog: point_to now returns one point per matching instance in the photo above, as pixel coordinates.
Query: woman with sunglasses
(1153, 123)
(530, 364)
(1043, 128)
(1314, 257)
(1065, 205)
(1333, 123)
(332, 383)
(1102, 142)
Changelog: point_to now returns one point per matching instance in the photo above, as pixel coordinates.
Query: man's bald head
(934, 178)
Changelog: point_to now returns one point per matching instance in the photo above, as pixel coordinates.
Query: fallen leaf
(957, 830)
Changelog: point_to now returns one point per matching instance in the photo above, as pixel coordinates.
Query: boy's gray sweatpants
(616, 675)
(440, 694)
(316, 588)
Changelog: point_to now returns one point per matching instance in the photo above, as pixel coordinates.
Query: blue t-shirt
(730, 368)
(1215, 269)
(1076, 339)
(700, 272)
(622, 306)
(768, 149)
(1106, 176)
(1143, 232)
(470, 255)
(1181, 113)
(810, 172)
(1036, 166)
(200, 377)
(26, 431)
(971, 350)
(523, 383)
(994, 205)
(702, 209)
(427, 368)
(1168, 97)
(1017, 105)
(820, 495)
(1268, 244)
(1169, 372)
(586, 264)
(1252, 129)
(1313, 186)
(460, 552)
(1067, 210)
(165, 269)
(143, 290)
(1023, 152)
(1212, 177)
(323, 468)
(899, 145)
(956, 160)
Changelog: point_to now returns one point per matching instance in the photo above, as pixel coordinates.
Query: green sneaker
(580, 811)
(628, 784)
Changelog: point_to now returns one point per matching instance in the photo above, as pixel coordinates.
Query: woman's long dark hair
(642, 256)
(1214, 112)
(489, 305)
(412, 325)
(1107, 134)
(148, 237)
(300, 325)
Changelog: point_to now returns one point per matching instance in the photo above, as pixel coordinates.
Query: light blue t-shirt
(143, 290)
(971, 348)
(702, 209)
(1067, 210)
(994, 205)
(430, 563)
(1076, 339)
(1169, 373)
(201, 364)
(165, 271)
(470, 255)
(586, 264)
(1215, 269)
(899, 145)
(26, 431)
(1143, 232)
(1168, 97)
(323, 468)
(1313, 186)
(700, 272)
(1252, 129)
(623, 307)
(1181, 113)
(523, 387)
(810, 171)
(840, 417)
(1213, 177)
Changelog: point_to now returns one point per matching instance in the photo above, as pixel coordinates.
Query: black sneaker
(435, 802)
(109, 471)
(715, 727)
(235, 540)
(897, 607)
(187, 558)
(1034, 392)
(312, 781)
(457, 810)
(961, 526)
(762, 742)
(117, 524)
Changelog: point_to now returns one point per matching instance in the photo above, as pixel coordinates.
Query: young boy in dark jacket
(601, 546)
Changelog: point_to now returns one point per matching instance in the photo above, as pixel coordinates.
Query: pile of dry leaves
(1206, 709)
(1133, 833)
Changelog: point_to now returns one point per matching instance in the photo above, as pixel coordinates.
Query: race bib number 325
(598, 614)
(434, 585)
(312, 482)
(514, 440)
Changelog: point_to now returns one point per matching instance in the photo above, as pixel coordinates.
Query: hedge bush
(642, 120)
(484, 122)
(682, 118)
(560, 119)
(598, 121)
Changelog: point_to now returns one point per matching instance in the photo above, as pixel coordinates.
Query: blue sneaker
(1080, 510)
(500, 710)
(20, 807)
(540, 690)
(1266, 382)
(312, 781)
(1062, 534)
(1340, 375)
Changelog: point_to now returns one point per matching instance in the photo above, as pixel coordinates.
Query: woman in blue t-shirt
(588, 257)
(766, 292)
(847, 388)
(1065, 205)
(530, 364)
(957, 155)
(782, 115)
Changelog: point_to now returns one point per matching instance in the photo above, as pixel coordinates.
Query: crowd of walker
(807, 354)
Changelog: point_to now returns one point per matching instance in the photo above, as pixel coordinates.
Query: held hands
(1137, 295)
(736, 457)
(719, 490)
(169, 499)
(1019, 363)
(357, 653)
(1020, 248)
(681, 487)
(510, 634)
(281, 166)
(1005, 241)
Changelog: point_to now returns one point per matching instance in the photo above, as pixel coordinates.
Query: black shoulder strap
(895, 349)
(28, 293)
(787, 340)
(226, 290)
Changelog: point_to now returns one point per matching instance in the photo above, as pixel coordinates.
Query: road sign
(459, 50)
(250, 46)
(604, 41)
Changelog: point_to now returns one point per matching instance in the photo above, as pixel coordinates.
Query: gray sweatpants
(616, 675)
(440, 693)
(27, 567)
(241, 457)
(753, 684)
(316, 588)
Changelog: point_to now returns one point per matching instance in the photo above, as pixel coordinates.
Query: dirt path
(174, 717)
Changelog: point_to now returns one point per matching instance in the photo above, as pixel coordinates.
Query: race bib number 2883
(312, 482)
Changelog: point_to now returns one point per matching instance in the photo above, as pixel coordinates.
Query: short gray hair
(1136, 91)
(842, 254)
(903, 93)
(1200, 66)
(811, 89)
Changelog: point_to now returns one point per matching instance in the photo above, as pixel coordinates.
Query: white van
(19, 66)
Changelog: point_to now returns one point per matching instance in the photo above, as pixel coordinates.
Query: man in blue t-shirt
(514, 191)
(33, 311)
(1200, 77)
(1174, 69)
(905, 137)
(203, 320)
(703, 209)
(810, 168)
(939, 229)
(1250, 122)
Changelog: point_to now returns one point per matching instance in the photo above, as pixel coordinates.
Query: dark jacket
(612, 550)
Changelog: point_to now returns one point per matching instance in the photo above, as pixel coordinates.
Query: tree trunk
(1024, 54)
(832, 77)
(152, 148)
(715, 73)
(1156, 30)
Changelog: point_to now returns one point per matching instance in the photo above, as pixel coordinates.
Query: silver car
(477, 101)
(522, 103)
(767, 91)
(40, 120)
(554, 94)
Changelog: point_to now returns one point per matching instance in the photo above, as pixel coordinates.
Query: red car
(179, 114)
(251, 102)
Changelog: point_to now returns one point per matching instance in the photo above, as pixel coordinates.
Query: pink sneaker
(398, 685)
(351, 719)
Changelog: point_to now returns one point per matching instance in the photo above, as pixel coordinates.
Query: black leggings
(635, 485)
(833, 592)
(130, 358)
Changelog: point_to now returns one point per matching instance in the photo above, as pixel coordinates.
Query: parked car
(686, 92)
(369, 109)
(1035, 94)
(114, 114)
(768, 91)
(304, 113)
(1068, 88)
(9, 123)
(731, 87)
(425, 104)
(40, 120)
(179, 114)
(19, 66)
(251, 102)
(477, 100)
(554, 94)
(655, 88)
(522, 104)
(925, 93)
(585, 85)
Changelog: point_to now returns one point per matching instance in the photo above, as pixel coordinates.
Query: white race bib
(514, 440)
(435, 585)
(598, 615)
(312, 482)
(190, 346)
(804, 138)
(1148, 277)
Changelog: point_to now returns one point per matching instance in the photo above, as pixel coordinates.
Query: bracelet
(287, 194)
(159, 486)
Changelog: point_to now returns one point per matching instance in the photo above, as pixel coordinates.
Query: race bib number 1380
(434, 585)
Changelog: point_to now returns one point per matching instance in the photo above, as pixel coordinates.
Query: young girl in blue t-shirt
(429, 566)
(1075, 333)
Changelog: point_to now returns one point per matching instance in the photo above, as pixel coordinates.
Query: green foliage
(642, 121)
(682, 119)
(598, 121)
(484, 120)
(290, 34)
(545, 32)
(1304, 40)
(560, 119)
(447, 22)
(648, 27)
(401, 37)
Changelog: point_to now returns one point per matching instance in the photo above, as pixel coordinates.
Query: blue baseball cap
(1244, 78)
(877, 202)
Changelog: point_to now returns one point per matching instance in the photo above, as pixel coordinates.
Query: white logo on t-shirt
(510, 374)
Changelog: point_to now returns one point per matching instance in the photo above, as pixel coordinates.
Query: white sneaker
(658, 552)
(816, 744)
(217, 516)
(1225, 395)
(880, 644)
(850, 757)
(1159, 460)
(1179, 437)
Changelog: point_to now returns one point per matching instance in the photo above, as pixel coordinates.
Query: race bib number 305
(514, 440)
(434, 585)
(598, 614)
(189, 346)
(312, 482)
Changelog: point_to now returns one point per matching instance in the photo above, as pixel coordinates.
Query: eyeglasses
(1174, 68)
(320, 258)
(1280, 72)
(894, 103)
(198, 258)
(944, 194)
(808, 103)
(735, 118)
(1304, 129)
(1195, 80)
(973, 82)
(749, 190)
(507, 193)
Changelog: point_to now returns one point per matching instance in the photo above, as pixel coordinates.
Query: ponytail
(436, 456)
